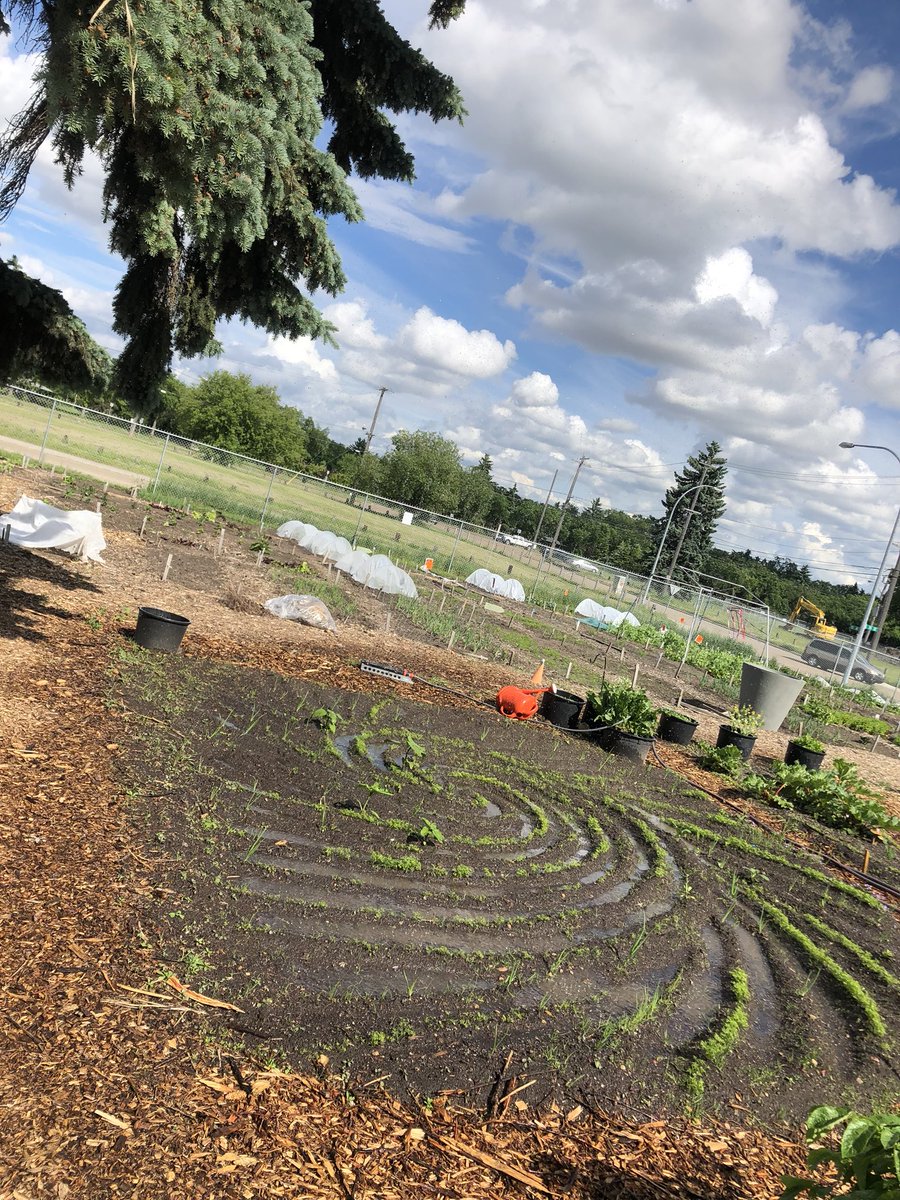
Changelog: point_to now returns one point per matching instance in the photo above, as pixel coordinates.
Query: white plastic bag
(309, 610)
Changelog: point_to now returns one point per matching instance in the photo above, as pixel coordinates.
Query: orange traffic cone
(538, 677)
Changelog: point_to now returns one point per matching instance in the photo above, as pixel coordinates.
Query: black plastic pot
(625, 745)
(744, 742)
(562, 709)
(679, 730)
(797, 756)
(159, 630)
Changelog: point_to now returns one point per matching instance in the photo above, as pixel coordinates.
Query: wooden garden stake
(637, 669)
(452, 639)
(99, 506)
(387, 623)
(443, 598)
(167, 568)
(680, 697)
(220, 547)
(568, 671)
(105, 487)
(143, 525)
(259, 558)
(865, 865)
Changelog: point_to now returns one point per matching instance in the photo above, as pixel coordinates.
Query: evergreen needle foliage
(206, 120)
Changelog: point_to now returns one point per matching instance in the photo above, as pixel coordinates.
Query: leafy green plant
(861, 724)
(744, 720)
(429, 832)
(806, 742)
(838, 797)
(867, 1156)
(622, 706)
(815, 707)
(260, 546)
(326, 718)
(724, 760)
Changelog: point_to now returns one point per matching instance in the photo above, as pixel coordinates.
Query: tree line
(425, 470)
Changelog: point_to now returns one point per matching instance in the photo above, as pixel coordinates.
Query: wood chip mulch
(111, 1084)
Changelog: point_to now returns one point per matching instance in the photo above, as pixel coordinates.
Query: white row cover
(497, 585)
(600, 612)
(39, 526)
(378, 572)
(321, 542)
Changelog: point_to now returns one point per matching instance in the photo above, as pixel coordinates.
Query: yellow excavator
(817, 621)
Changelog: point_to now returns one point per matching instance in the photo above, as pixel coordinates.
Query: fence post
(359, 521)
(262, 519)
(455, 544)
(159, 465)
(46, 433)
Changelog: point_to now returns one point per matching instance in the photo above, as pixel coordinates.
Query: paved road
(84, 466)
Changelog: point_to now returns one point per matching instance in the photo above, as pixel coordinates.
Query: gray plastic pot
(770, 693)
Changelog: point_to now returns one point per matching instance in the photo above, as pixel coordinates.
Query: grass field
(185, 474)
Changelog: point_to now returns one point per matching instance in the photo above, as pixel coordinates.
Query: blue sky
(662, 222)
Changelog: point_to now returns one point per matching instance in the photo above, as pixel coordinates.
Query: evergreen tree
(205, 118)
(43, 341)
(476, 491)
(688, 541)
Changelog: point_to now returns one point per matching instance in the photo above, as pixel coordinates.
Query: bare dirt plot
(85, 875)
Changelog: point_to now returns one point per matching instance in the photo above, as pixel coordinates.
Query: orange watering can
(520, 703)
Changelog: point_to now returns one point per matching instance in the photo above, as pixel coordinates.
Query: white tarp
(497, 585)
(600, 612)
(378, 572)
(38, 526)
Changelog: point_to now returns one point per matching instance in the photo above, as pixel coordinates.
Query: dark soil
(431, 895)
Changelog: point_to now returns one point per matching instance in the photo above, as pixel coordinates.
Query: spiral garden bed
(427, 895)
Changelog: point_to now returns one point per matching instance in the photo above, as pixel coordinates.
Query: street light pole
(876, 587)
(562, 511)
(374, 419)
(662, 540)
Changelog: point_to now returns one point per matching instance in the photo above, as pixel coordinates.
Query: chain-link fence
(205, 479)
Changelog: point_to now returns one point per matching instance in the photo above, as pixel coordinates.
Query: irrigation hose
(879, 884)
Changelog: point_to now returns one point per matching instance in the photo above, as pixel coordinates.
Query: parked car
(820, 653)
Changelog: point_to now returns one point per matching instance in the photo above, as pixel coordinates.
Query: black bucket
(159, 630)
(801, 757)
(624, 745)
(743, 741)
(562, 709)
(678, 730)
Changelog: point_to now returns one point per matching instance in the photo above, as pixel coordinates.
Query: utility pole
(884, 607)
(374, 419)
(537, 532)
(687, 522)
(562, 511)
